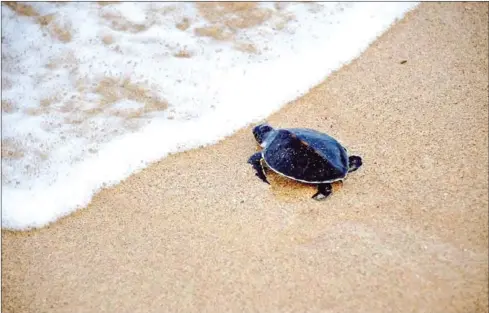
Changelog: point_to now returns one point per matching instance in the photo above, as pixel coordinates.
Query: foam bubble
(94, 93)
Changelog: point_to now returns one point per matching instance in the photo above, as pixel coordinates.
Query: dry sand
(198, 232)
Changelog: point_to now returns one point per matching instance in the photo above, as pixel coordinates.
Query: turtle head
(261, 132)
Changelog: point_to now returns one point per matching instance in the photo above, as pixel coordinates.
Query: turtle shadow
(291, 191)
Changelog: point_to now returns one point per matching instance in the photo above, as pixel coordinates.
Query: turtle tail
(354, 163)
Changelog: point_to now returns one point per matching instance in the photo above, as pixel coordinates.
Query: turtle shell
(306, 155)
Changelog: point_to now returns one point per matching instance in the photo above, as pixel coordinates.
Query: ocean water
(93, 92)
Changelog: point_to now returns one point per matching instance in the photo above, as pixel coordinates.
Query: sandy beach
(198, 232)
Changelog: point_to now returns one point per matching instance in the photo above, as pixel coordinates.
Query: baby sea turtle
(303, 155)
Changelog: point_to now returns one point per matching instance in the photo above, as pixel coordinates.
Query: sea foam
(92, 93)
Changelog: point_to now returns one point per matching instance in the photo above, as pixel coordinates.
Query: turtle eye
(257, 136)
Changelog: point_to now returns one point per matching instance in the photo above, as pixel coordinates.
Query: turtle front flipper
(255, 160)
(324, 190)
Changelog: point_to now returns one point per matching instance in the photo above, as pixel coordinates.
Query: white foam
(72, 145)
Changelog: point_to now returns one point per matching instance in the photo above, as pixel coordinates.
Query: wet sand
(198, 232)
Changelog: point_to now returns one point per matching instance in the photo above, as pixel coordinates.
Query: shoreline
(198, 231)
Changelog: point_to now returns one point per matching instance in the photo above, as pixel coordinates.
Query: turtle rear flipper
(354, 163)
(255, 160)
(324, 190)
